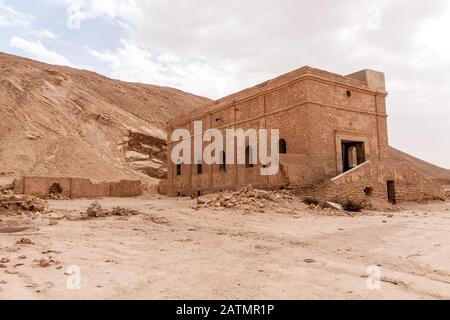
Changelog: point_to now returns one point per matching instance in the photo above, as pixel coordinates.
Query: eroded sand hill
(59, 121)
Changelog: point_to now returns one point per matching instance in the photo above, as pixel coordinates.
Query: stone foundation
(371, 180)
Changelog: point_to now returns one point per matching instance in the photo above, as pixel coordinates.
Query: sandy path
(225, 255)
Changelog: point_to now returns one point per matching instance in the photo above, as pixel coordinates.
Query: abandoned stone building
(333, 140)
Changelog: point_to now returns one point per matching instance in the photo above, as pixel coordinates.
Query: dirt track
(174, 252)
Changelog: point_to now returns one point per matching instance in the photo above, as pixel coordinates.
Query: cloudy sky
(213, 48)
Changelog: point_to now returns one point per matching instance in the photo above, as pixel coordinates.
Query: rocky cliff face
(59, 121)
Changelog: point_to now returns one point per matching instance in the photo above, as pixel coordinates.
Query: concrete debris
(95, 210)
(334, 205)
(247, 199)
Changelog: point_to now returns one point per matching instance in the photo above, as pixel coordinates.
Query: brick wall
(410, 185)
(77, 187)
(313, 110)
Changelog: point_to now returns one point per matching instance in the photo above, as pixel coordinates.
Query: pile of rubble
(247, 199)
(21, 203)
(56, 196)
(95, 210)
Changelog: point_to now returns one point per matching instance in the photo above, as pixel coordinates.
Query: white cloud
(39, 51)
(132, 63)
(44, 33)
(10, 17)
(81, 10)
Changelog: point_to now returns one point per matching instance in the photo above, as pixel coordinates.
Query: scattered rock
(121, 212)
(53, 222)
(46, 262)
(157, 220)
(4, 260)
(11, 272)
(309, 261)
(23, 257)
(51, 251)
(56, 196)
(246, 199)
(95, 210)
(25, 241)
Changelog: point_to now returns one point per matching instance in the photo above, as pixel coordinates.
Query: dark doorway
(199, 168)
(392, 196)
(223, 162)
(282, 146)
(353, 154)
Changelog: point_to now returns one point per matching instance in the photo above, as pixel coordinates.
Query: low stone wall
(370, 180)
(77, 187)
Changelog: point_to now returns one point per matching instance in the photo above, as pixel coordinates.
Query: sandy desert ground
(172, 251)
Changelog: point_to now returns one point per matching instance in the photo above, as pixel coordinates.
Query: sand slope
(439, 174)
(63, 121)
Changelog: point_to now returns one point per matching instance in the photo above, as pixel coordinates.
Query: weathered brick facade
(323, 117)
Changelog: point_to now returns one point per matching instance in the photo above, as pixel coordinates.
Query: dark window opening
(368, 191)
(282, 146)
(178, 169)
(249, 157)
(349, 93)
(55, 189)
(353, 154)
(199, 168)
(223, 162)
(392, 196)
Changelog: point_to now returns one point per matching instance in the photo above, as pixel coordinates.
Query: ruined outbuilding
(333, 140)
